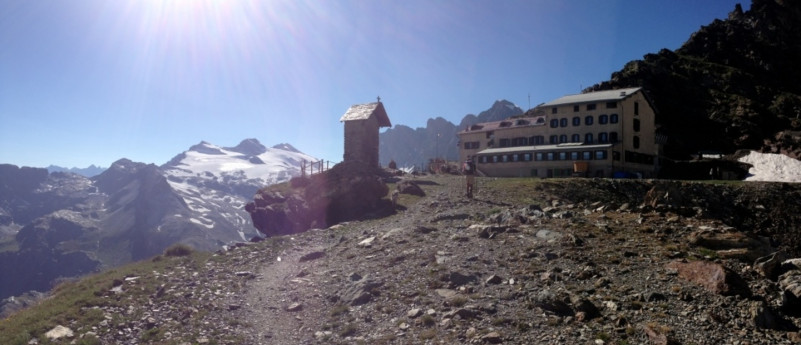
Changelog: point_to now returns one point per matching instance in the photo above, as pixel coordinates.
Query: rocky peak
(206, 148)
(250, 147)
(286, 147)
(120, 173)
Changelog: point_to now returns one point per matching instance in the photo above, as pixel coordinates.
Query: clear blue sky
(91, 81)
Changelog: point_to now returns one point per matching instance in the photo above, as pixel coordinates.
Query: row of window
(588, 120)
(545, 156)
(589, 138)
(590, 106)
(603, 138)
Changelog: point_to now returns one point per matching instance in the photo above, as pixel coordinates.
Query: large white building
(597, 134)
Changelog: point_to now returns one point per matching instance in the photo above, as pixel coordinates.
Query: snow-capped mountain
(62, 224)
(216, 182)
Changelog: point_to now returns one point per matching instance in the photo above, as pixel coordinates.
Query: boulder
(553, 303)
(712, 276)
(410, 187)
(768, 266)
(762, 316)
(790, 285)
(733, 244)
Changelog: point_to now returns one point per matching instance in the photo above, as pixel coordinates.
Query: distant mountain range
(57, 224)
(415, 147)
(89, 171)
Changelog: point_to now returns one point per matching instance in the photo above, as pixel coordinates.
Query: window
(603, 138)
(636, 108)
(554, 123)
(549, 156)
(588, 138)
(574, 155)
(586, 155)
(610, 105)
(554, 139)
(563, 122)
(562, 156)
(575, 108)
(576, 121)
(553, 110)
(505, 158)
(613, 118)
(504, 143)
(562, 138)
(635, 141)
(576, 138)
(600, 154)
(482, 159)
(536, 140)
(588, 120)
(495, 159)
(591, 106)
(527, 157)
(636, 125)
(471, 145)
(490, 134)
(538, 156)
(515, 157)
(616, 155)
(613, 137)
(603, 119)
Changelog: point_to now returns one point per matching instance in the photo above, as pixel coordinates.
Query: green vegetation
(178, 250)
(77, 304)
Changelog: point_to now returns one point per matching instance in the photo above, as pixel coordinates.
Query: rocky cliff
(737, 78)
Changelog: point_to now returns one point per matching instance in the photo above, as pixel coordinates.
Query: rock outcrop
(347, 191)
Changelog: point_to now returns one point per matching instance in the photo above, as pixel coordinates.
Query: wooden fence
(315, 167)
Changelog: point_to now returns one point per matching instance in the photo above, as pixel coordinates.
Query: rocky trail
(575, 261)
(492, 270)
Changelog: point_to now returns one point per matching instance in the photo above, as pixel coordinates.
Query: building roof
(508, 123)
(599, 96)
(364, 111)
(540, 148)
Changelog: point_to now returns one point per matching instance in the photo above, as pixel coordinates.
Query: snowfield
(772, 167)
(216, 182)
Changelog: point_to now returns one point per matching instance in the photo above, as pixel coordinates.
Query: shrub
(178, 250)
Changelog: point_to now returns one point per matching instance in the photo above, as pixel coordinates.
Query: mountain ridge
(130, 211)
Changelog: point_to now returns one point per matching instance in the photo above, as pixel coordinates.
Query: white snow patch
(200, 222)
(772, 167)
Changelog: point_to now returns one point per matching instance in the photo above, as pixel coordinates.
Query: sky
(92, 81)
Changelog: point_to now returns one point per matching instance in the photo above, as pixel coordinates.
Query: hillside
(737, 78)
(528, 261)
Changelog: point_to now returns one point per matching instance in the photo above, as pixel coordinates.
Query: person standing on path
(469, 171)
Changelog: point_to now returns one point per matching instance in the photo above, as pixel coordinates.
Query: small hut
(362, 122)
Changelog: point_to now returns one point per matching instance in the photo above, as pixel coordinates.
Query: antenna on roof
(379, 99)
